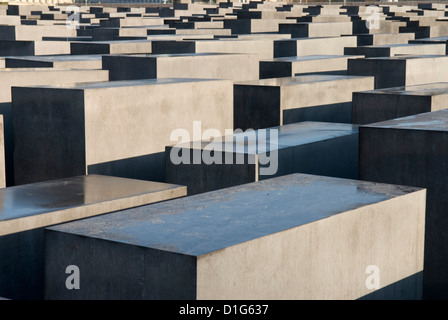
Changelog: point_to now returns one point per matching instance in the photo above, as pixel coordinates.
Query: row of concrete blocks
(324, 147)
(225, 243)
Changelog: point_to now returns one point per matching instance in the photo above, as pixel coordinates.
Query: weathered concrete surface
(91, 134)
(227, 244)
(412, 151)
(26, 210)
(327, 149)
(391, 103)
(277, 101)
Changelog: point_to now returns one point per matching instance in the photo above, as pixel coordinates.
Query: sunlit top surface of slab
(200, 224)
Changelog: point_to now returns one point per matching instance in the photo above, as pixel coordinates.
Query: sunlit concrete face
(413, 151)
(26, 210)
(311, 231)
(399, 71)
(115, 128)
(236, 67)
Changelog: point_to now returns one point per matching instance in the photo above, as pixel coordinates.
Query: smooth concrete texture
(292, 66)
(391, 103)
(291, 237)
(278, 101)
(375, 39)
(391, 50)
(2, 154)
(412, 151)
(33, 47)
(17, 77)
(35, 33)
(264, 48)
(117, 128)
(236, 67)
(14, 77)
(110, 47)
(327, 149)
(56, 62)
(401, 70)
(316, 29)
(27, 209)
(313, 46)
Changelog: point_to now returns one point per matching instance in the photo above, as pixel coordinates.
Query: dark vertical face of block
(285, 48)
(388, 73)
(16, 48)
(256, 107)
(129, 68)
(376, 107)
(414, 158)
(49, 134)
(111, 270)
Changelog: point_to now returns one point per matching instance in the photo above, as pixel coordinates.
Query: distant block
(236, 67)
(413, 151)
(117, 128)
(391, 50)
(391, 103)
(328, 149)
(292, 66)
(56, 62)
(27, 209)
(401, 70)
(110, 47)
(313, 46)
(36, 32)
(291, 237)
(277, 101)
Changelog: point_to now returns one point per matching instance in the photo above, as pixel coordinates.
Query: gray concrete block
(292, 66)
(28, 209)
(401, 70)
(391, 103)
(264, 48)
(56, 62)
(327, 149)
(236, 67)
(111, 128)
(313, 46)
(33, 48)
(254, 241)
(110, 47)
(391, 50)
(278, 101)
(412, 151)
